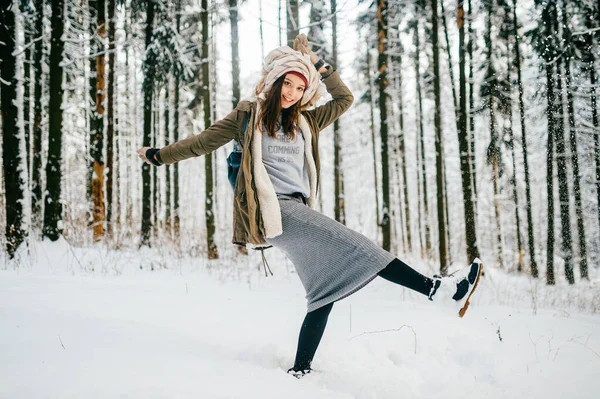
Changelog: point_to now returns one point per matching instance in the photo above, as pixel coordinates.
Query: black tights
(314, 323)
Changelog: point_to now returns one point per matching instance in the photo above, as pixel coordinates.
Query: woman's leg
(400, 273)
(310, 336)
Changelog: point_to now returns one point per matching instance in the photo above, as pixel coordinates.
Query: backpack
(234, 160)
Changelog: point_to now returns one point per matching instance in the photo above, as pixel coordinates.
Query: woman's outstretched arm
(217, 135)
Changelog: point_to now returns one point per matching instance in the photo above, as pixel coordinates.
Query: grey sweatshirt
(284, 160)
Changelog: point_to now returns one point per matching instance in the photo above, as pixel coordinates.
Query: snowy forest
(474, 132)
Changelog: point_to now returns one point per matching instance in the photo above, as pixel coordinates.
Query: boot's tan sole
(463, 310)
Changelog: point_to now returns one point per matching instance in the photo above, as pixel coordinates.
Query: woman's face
(291, 91)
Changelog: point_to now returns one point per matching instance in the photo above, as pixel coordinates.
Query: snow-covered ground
(122, 330)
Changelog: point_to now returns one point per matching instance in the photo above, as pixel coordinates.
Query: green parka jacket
(248, 218)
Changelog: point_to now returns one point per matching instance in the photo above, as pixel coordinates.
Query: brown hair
(271, 108)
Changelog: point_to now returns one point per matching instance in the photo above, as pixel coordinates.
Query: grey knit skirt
(332, 260)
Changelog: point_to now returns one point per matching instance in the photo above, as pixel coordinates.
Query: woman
(277, 184)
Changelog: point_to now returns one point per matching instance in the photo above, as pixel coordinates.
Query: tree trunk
(439, 144)
(463, 144)
(210, 197)
(235, 54)
(155, 187)
(530, 233)
(494, 147)
(449, 54)
(421, 154)
(97, 131)
(260, 27)
(583, 266)
(176, 221)
(293, 20)
(511, 144)
(596, 124)
(28, 36)
(551, 112)
(36, 164)
(167, 202)
(402, 151)
(148, 89)
(110, 119)
(11, 136)
(53, 206)
(382, 83)
(372, 114)
(472, 162)
(340, 207)
(561, 166)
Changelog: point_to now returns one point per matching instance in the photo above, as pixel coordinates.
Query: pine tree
(53, 224)
(36, 164)
(463, 143)
(561, 163)
(439, 144)
(150, 69)
(566, 59)
(97, 91)
(293, 20)
(110, 118)
(11, 136)
(209, 186)
(382, 83)
(235, 54)
(422, 164)
(530, 234)
(340, 207)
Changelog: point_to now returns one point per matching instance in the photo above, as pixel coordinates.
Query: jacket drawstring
(265, 263)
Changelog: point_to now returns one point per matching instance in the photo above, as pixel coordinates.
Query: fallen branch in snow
(392, 330)
(61, 343)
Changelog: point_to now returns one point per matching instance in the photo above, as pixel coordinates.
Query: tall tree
(12, 158)
(371, 96)
(401, 141)
(97, 121)
(382, 83)
(530, 235)
(424, 217)
(511, 145)
(36, 163)
(472, 163)
(561, 166)
(566, 59)
(209, 186)
(235, 53)
(489, 91)
(150, 69)
(110, 117)
(53, 225)
(338, 175)
(439, 143)
(548, 50)
(176, 101)
(293, 20)
(463, 143)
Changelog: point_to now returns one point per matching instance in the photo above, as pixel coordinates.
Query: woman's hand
(148, 155)
(142, 154)
(301, 45)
